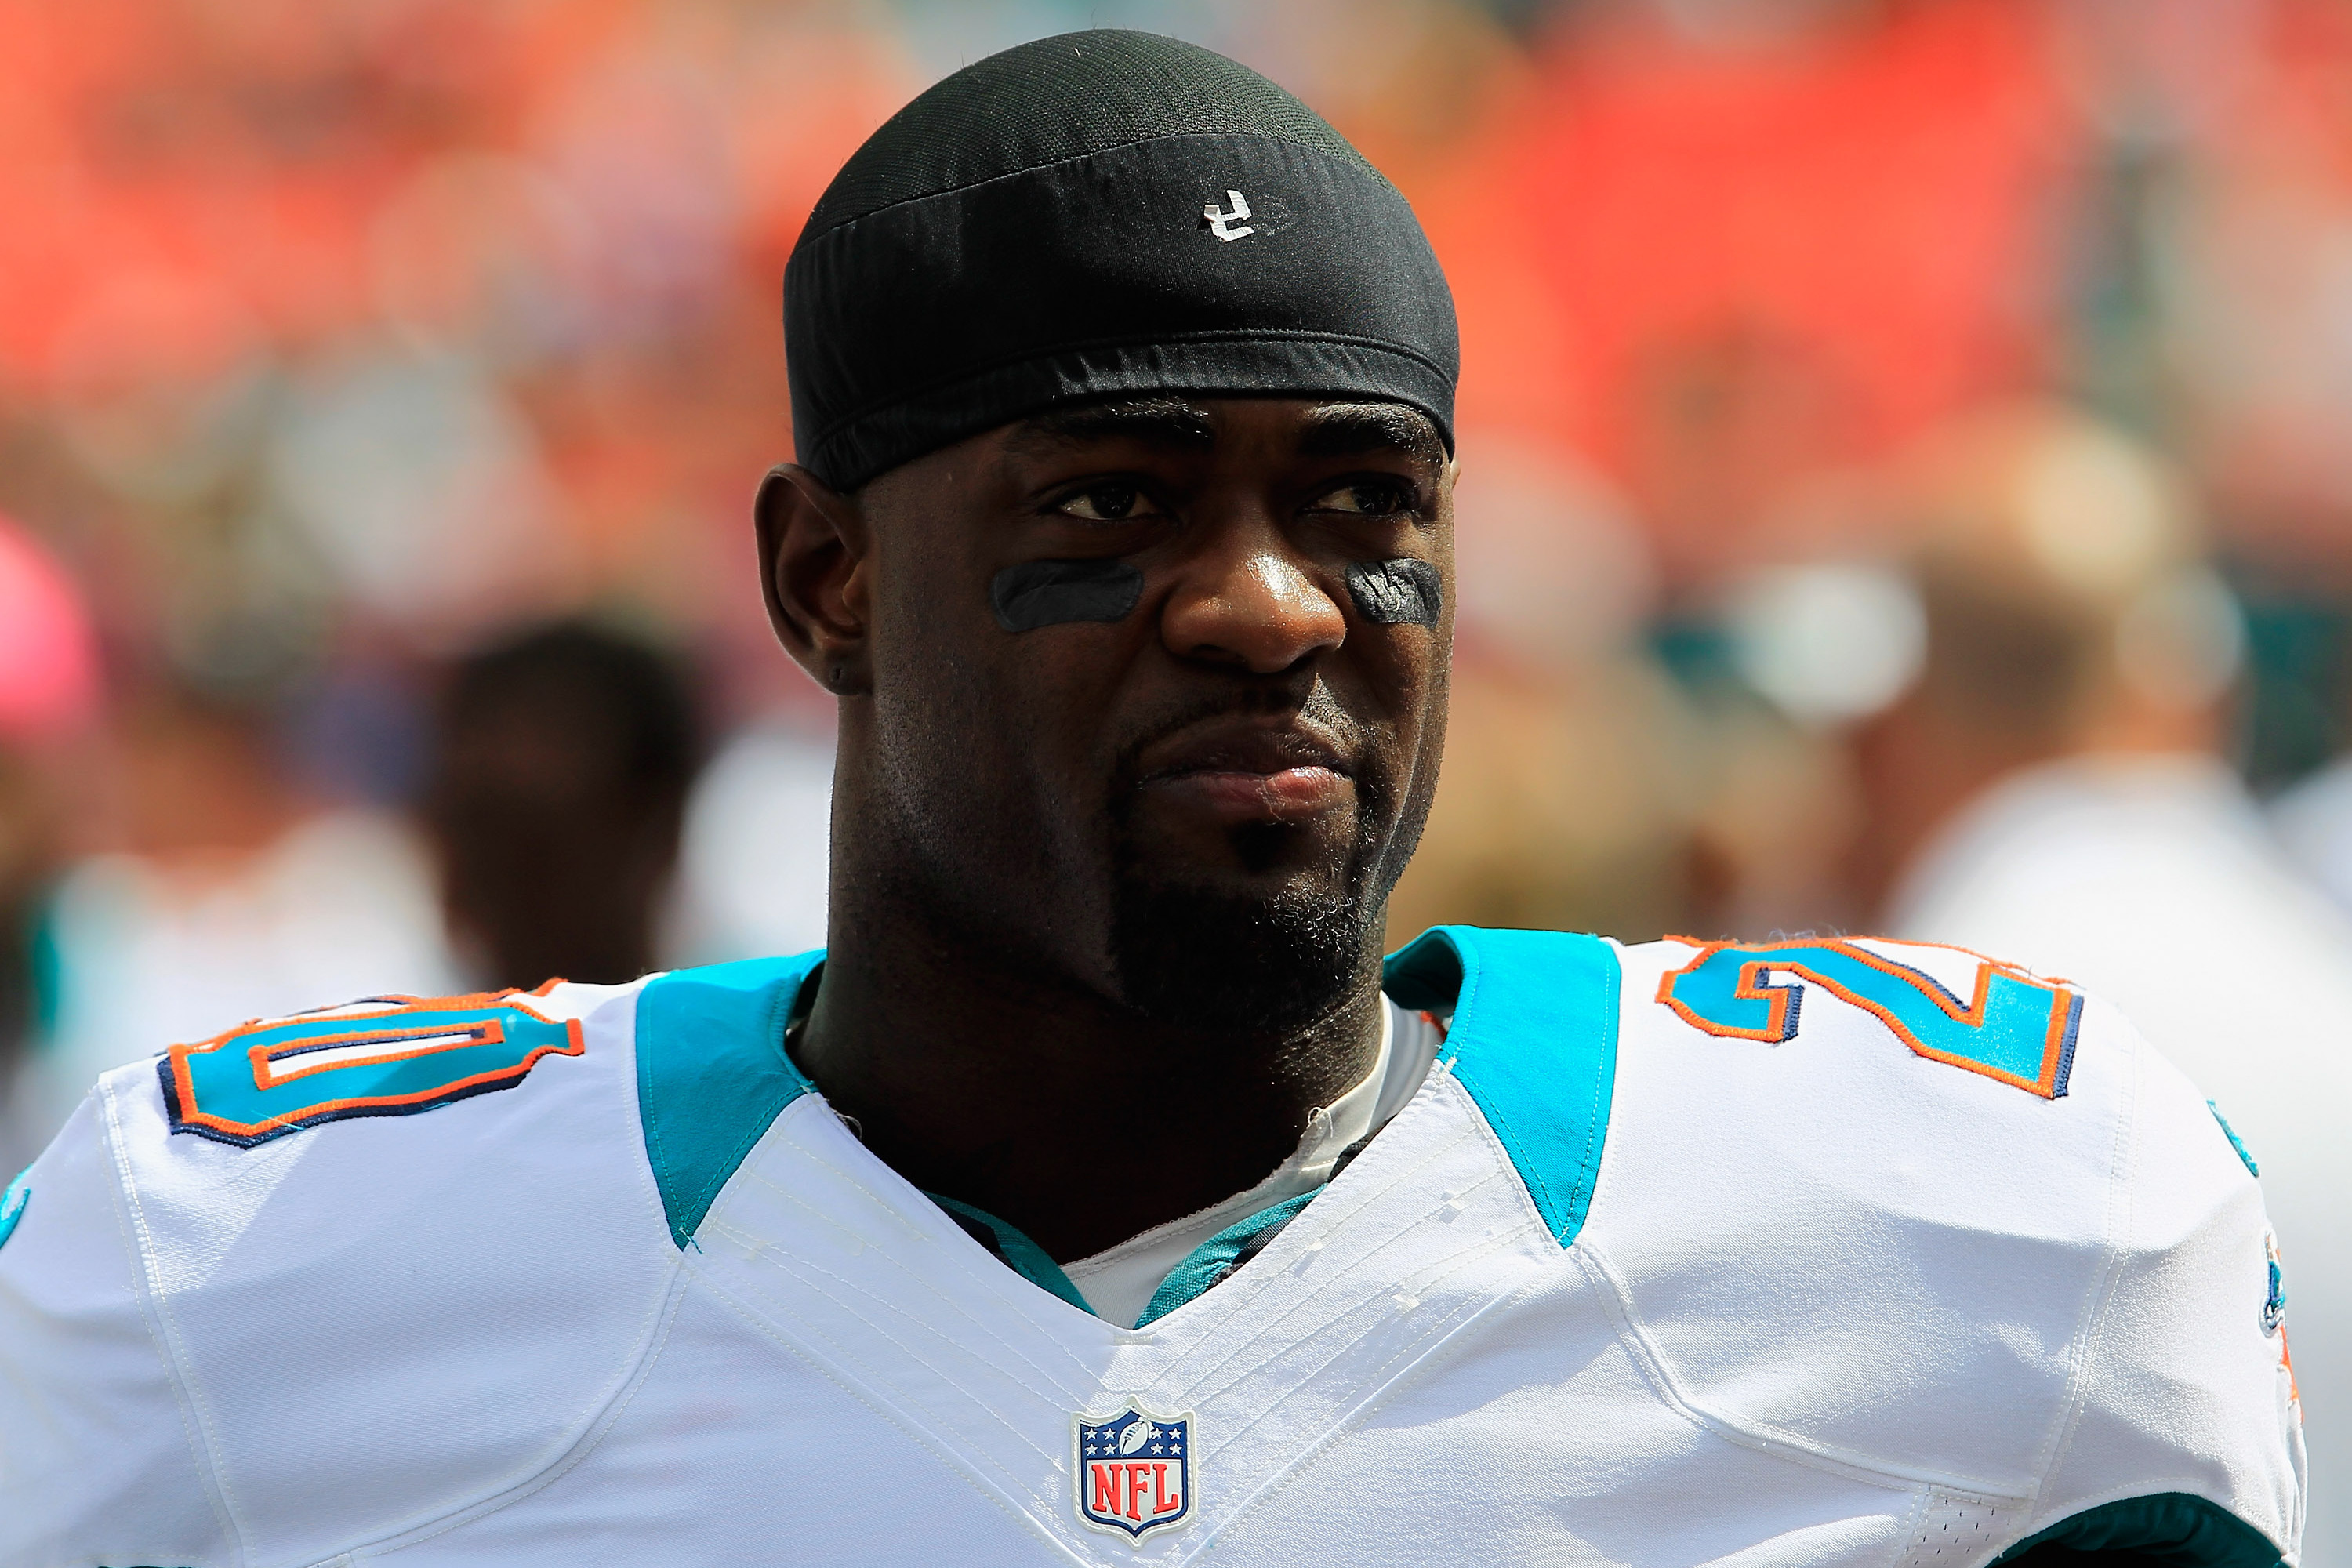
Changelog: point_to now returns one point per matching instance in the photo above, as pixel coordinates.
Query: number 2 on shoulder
(2015, 1028)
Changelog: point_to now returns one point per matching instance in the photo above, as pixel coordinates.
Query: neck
(1047, 1104)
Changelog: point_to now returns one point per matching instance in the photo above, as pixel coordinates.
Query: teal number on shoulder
(2245, 1155)
(712, 1073)
(385, 1056)
(2014, 1028)
(1533, 1041)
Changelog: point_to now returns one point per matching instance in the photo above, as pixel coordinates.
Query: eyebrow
(1157, 421)
(1343, 430)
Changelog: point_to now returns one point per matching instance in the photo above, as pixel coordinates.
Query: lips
(1252, 771)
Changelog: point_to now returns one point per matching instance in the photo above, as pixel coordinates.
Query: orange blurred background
(339, 341)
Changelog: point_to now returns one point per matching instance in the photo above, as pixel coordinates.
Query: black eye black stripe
(1403, 592)
(1034, 593)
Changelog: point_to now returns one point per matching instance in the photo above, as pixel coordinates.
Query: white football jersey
(1824, 1252)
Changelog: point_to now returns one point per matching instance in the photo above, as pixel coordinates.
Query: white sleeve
(2187, 1432)
(98, 1462)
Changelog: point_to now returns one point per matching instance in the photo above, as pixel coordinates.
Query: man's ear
(812, 560)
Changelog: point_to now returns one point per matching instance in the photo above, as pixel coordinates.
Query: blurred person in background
(751, 867)
(1565, 801)
(48, 695)
(2049, 784)
(28, 835)
(564, 760)
(227, 893)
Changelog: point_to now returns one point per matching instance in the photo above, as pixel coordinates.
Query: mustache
(1318, 711)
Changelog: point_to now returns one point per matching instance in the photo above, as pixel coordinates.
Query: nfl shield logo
(1135, 1471)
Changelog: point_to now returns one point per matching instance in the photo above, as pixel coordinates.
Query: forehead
(1304, 427)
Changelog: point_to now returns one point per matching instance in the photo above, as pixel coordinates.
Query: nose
(1250, 602)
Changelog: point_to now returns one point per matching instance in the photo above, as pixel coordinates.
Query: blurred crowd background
(1907, 486)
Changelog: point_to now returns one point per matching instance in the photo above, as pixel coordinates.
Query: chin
(1256, 928)
(1264, 953)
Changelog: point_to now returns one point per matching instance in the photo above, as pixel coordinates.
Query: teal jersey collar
(1218, 1257)
(712, 1073)
(1533, 1042)
(1012, 1248)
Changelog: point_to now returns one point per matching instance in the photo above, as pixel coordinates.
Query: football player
(1101, 1195)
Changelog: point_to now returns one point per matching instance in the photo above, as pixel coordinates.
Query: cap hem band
(1254, 364)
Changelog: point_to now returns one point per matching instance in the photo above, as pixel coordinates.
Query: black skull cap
(1101, 215)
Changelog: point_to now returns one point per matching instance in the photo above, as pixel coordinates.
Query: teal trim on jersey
(1214, 1259)
(2244, 1153)
(1020, 1254)
(12, 1204)
(712, 1073)
(2171, 1530)
(1534, 1042)
(406, 1057)
(2014, 1029)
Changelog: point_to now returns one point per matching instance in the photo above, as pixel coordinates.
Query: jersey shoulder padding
(1927, 1214)
(358, 1269)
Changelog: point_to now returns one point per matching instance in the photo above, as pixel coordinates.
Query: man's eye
(1369, 498)
(1106, 503)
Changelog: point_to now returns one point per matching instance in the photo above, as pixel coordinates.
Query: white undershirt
(1118, 1283)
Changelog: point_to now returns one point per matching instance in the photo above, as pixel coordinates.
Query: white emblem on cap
(1222, 222)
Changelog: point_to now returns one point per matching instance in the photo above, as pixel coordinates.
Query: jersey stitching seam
(1500, 1170)
(1914, 1522)
(1596, 1123)
(163, 1328)
(987, 1277)
(771, 1032)
(1289, 1472)
(1446, 1267)
(854, 1388)
(590, 1435)
(649, 1189)
(1331, 1224)
(1628, 1039)
(1501, 1151)
(1528, 1173)
(2122, 1162)
(591, 1432)
(1617, 1302)
(1051, 1394)
(657, 1159)
(1436, 1340)
(1377, 1379)
(706, 1196)
(1045, 1395)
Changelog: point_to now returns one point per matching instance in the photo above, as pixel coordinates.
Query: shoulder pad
(1842, 1165)
(332, 1270)
(1533, 1042)
(381, 1055)
(1943, 1004)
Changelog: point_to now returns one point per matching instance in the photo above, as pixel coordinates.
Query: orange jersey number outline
(2016, 1028)
(388, 1056)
